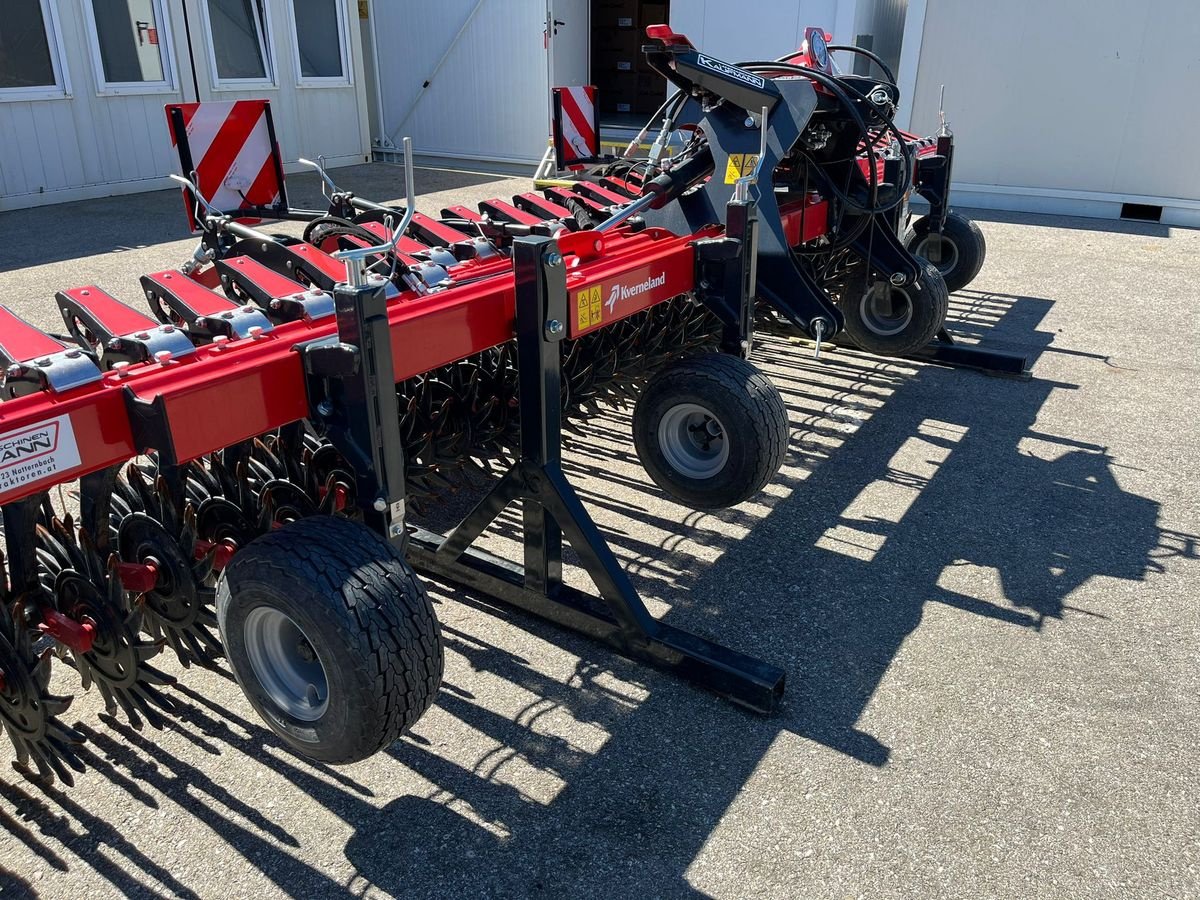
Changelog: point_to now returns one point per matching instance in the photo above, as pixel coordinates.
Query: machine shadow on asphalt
(957, 494)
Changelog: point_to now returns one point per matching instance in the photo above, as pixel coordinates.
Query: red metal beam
(228, 392)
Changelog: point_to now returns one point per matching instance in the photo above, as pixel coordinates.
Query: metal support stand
(352, 395)
(944, 351)
(726, 276)
(552, 509)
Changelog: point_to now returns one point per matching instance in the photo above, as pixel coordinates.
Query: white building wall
(1074, 106)
(489, 98)
(54, 150)
(89, 143)
(759, 29)
(884, 20)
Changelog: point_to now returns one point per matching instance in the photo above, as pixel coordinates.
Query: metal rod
(631, 210)
(333, 188)
(355, 259)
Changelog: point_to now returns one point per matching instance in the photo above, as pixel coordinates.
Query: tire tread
(759, 402)
(379, 608)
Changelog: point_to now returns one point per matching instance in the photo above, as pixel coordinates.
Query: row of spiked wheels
(253, 553)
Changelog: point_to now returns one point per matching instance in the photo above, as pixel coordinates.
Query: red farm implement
(246, 455)
(839, 257)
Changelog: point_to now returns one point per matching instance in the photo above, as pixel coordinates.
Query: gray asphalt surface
(984, 591)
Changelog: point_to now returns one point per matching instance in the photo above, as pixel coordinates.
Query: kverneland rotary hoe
(242, 460)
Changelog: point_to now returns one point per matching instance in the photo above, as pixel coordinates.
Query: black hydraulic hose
(669, 185)
(840, 90)
(337, 226)
(863, 51)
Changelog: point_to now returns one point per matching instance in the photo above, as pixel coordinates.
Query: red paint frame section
(229, 392)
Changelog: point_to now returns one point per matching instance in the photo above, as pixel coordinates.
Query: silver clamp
(58, 373)
(314, 304)
(161, 343)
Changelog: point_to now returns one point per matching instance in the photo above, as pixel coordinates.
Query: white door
(468, 81)
(569, 42)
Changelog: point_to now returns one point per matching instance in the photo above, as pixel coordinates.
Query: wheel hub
(173, 599)
(693, 441)
(886, 310)
(286, 664)
(939, 250)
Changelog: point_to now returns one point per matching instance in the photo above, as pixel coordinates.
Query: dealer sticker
(35, 453)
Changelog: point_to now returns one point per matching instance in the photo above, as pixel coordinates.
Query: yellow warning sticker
(740, 165)
(589, 306)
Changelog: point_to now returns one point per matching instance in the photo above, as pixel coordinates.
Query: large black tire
(896, 321)
(331, 637)
(958, 252)
(710, 430)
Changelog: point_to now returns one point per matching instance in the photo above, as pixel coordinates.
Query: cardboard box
(651, 91)
(617, 92)
(626, 42)
(604, 61)
(652, 14)
(622, 14)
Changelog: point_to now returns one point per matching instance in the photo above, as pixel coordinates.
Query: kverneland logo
(625, 291)
(30, 443)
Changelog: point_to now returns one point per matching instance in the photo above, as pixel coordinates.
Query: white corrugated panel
(758, 29)
(883, 20)
(1080, 99)
(51, 149)
(93, 144)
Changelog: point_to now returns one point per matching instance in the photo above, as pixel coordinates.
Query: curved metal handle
(319, 165)
(196, 195)
(355, 258)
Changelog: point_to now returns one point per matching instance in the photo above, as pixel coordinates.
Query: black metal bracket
(20, 539)
(734, 138)
(933, 180)
(945, 351)
(726, 274)
(352, 397)
(552, 509)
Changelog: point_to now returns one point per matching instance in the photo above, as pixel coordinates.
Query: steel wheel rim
(944, 248)
(886, 309)
(279, 653)
(693, 441)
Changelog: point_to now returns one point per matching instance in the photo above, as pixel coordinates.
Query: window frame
(105, 88)
(346, 79)
(266, 37)
(61, 89)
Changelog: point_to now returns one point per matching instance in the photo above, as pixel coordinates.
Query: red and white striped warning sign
(576, 136)
(229, 147)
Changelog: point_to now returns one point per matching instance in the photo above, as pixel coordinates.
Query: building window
(29, 65)
(320, 40)
(239, 40)
(131, 45)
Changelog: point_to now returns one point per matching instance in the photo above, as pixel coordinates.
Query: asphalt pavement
(984, 592)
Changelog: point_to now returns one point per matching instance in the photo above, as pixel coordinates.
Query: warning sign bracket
(231, 152)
